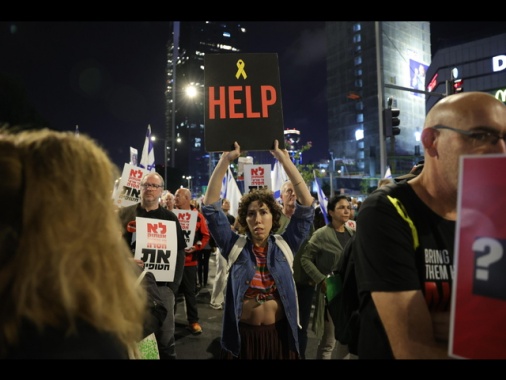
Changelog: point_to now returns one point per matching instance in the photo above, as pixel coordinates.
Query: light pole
(170, 128)
(189, 178)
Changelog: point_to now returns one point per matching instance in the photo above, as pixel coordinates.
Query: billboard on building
(417, 72)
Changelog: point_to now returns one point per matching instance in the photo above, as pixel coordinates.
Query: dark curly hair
(331, 205)
(264, 197)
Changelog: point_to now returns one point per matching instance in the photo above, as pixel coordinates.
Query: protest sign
(242, 102)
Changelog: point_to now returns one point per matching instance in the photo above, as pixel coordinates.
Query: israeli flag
(278, 177)
(223, 192)
(322, 199)
(388, 173)
(148, 153)
(233, 193)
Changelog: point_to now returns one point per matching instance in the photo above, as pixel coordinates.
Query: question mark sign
(495, 253)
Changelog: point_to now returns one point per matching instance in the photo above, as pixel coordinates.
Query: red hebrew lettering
(163, 228)
(135, 173)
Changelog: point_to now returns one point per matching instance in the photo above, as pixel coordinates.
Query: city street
(207, 344)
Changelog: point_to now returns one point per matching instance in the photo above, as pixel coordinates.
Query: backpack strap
(234, 252)
(285, 248)
(404, 215)
(283, 245)
(241, 242)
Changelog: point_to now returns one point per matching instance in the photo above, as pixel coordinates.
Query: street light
(189, 178)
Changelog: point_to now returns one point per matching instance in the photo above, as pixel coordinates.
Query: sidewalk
(207, 344)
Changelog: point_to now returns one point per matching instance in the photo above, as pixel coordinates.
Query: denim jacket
(243, 270)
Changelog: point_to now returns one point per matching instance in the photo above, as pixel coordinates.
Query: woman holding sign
(260, 320)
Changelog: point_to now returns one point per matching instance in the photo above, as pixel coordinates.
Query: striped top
(262, 286)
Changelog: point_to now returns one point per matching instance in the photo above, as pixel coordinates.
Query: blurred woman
(67, 278)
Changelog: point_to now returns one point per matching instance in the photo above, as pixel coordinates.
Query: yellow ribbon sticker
(240, 66)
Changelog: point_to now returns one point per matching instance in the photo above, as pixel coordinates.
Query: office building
(478, 65)
(186, 155)
(369, 63)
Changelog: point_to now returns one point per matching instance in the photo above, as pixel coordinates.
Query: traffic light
(391, 122)
(454, 86)
(458, 86)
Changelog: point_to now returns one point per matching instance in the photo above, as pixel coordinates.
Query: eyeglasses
(478, 137)
(150, 185)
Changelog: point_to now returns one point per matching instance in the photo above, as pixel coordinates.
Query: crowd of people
(62, 299)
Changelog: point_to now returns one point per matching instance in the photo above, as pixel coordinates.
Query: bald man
(182, 201)
(405, 293)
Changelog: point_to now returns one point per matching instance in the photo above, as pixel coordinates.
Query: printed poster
(257, 177)
(243, 102)
(156, 245)
(417, 77)
(128, 190)
(133, 156)
(188, 221)
(478, 310)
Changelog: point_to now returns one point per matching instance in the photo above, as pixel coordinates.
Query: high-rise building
(372, 66)
(476, 65)
(190, 41)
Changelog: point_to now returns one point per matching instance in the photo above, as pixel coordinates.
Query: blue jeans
(165, 335)
(305, 295)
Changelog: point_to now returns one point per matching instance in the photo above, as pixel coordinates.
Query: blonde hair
(62, 257)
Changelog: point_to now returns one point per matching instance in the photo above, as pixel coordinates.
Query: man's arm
(408, 325)
(301, 190)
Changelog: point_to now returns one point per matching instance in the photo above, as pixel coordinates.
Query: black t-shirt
(387, 261)
(231, 219)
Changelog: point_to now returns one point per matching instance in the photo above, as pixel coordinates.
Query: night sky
(109, 77)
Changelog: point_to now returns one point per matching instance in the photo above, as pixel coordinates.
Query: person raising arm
(212, 195)
(260, 320)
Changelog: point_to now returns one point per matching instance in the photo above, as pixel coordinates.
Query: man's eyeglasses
(150, 185)
(479, 137)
